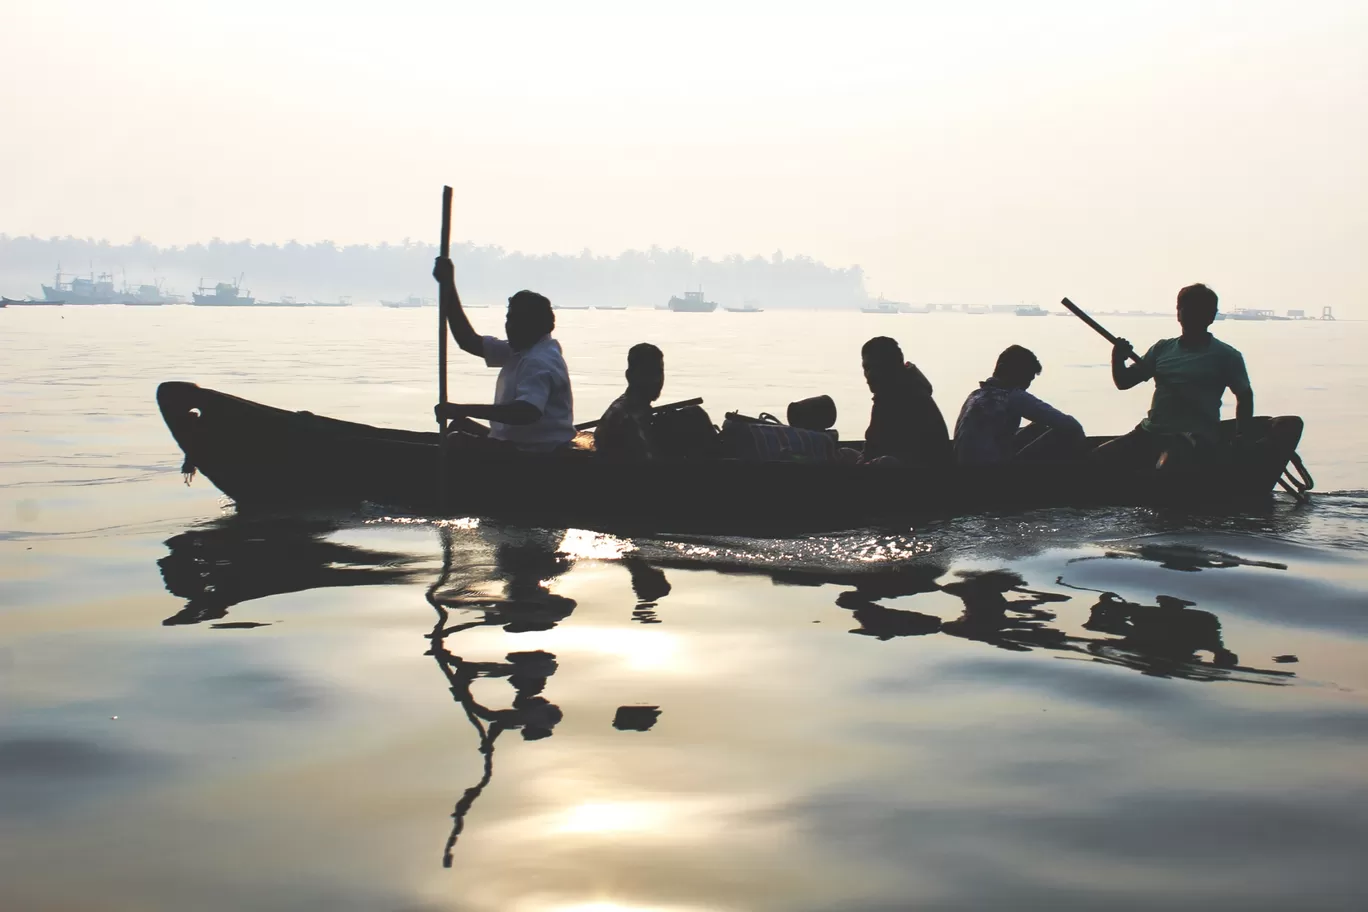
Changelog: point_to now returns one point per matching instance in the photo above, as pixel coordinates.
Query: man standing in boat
(533, 406)
(1190, 375)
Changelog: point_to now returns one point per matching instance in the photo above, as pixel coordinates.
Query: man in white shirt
(533, 406)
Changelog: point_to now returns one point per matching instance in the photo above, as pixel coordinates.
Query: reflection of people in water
(527, 605)
(1165, 639)
(650, 585)
(988, 615)
(1168, 634)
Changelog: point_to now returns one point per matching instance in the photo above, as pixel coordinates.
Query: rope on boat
(1300, 484)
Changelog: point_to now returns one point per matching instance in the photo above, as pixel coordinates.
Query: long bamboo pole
(1098, 327)
(442, 360)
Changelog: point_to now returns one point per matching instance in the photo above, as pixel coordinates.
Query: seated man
(533, 405)
(989, 426)
(905, 426)
(1190, 375)
(624, 431)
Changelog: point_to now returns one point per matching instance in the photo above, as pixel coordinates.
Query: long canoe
(262, 456)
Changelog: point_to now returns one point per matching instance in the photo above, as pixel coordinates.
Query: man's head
(1017, 367)
(1196, 308)
(882, 358)
(645, 370)
(529, 318)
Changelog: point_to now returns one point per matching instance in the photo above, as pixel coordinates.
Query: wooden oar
(1101, 330)
(683, 403)
(442, 360)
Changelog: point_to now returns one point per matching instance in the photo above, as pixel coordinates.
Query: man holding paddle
(1190, 373)
(533, 406)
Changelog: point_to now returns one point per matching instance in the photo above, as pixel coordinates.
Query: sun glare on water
(613, 817)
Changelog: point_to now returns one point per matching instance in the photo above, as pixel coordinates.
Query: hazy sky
(958, 151)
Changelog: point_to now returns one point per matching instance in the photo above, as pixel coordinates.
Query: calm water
(1049, 710)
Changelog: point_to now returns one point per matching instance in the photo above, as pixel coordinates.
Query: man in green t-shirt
(1191, 373)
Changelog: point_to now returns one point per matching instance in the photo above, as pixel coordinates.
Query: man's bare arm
(452, 311)
(1123, 375)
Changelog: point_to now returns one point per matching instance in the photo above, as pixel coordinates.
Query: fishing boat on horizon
(692, 302)
(99, 289)
(28, 302)
(410, 301)
(222, 294)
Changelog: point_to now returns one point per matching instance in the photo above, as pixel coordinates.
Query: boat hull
(262, 456)
(202, 300)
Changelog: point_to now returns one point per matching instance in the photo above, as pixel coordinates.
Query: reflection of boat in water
(224, 564)
(312, 459)
(692, 302)
(219, 565)
(223, 294)
(505, 577)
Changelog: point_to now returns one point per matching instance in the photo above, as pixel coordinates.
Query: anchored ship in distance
(223, 294)
(692, 302)
(99, 289)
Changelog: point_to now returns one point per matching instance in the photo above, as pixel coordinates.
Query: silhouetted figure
(878, 620)
(1190, 375)
(989, 430)
(1018, 625)
(905, 426)
(650, 585)
(528, 606)
(624, 432)
(1161, 639)
(533, 406)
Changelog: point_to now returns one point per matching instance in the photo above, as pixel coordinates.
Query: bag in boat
(815, 414)
(685, 433)
(764, 439)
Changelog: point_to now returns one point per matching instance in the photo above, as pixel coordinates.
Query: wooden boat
(28, 302)
(262, 456)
